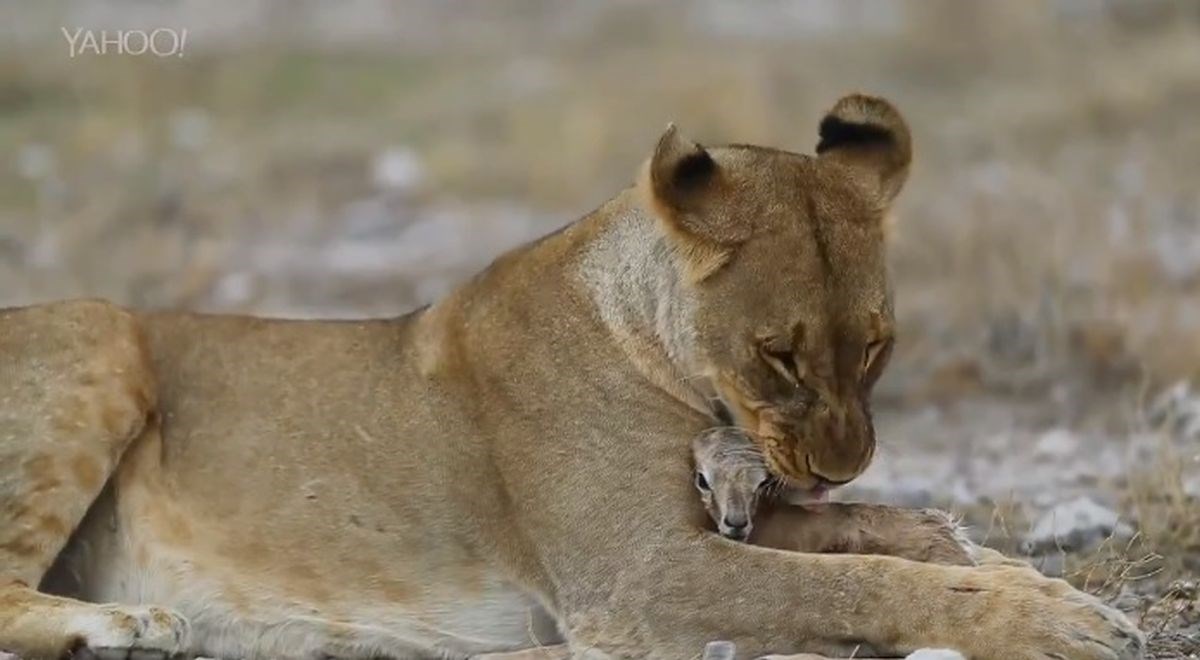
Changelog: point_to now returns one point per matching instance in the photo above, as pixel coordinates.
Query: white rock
(1178, 409)
(1077, 523)
(234, 289)
(962, 494)
(1191, 486)
(719, 651)
(1057, 443)
(398, 168)
(935, 654)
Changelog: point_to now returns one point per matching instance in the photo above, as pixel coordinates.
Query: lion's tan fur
(415, 487)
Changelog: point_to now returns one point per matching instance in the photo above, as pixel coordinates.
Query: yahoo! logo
(161, 42)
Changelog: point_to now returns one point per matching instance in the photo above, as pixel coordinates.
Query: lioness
(412, 487)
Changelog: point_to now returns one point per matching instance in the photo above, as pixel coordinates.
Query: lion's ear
(867, 134)
(683, 185)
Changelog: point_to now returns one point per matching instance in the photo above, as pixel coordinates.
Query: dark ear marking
(684, 187)
(837, 133)
(680, 170)
(695, 170)
(869, 137)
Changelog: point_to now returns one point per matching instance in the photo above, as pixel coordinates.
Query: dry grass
(1169, 518)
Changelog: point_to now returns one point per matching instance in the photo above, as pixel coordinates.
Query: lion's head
(790, 314)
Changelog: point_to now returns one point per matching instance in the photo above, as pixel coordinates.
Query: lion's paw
(118, 632)
(1018, 613)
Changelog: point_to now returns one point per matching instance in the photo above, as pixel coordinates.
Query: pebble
(1074, 525)
(919, 654)
(719, 651)
(1057, 443)
(1191, 486)
(935, 654)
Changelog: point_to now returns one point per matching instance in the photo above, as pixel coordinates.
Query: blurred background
(355, 158)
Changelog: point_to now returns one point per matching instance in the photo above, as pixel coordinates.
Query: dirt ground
(307, 161)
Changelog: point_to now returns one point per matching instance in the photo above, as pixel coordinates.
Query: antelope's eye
(701, 482)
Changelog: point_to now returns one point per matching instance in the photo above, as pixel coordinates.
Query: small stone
(234, 289)
(962, 494)
(397, 168)
(1073, 525)
(935, 654)
(1052, 564)
(1177, 410)
(1191, 486)
(1056, 443)
(721, 650)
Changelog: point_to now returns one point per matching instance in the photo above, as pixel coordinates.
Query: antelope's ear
(868, 135)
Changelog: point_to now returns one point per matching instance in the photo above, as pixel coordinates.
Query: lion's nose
(823, 482)
(826, 483)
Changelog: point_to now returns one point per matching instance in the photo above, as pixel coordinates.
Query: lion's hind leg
(75, 388)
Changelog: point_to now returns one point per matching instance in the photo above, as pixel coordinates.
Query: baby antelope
(733, 481)
(731, 477)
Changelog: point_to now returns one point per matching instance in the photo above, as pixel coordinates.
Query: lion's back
(82, 364)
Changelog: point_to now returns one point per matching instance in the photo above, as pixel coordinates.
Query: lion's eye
(874, 358)
(701, 482)
(782, 360)
(786, 357)
(869, 353)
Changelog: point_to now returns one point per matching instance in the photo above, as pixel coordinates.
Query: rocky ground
(1116, 513)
